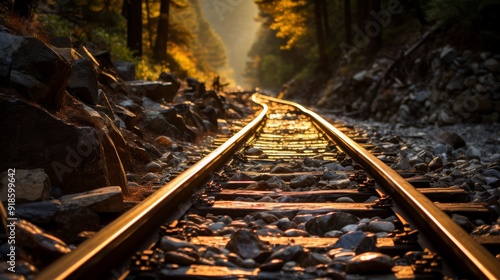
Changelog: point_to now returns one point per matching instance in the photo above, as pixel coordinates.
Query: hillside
(399, 61)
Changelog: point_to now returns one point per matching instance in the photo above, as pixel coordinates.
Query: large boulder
(103, 200)
(30, 185)
(61, 42)
(69, 54)
(40, 213)
(74, 157)
(129, 118)
(116, 153)
(125, 70)
(43, 248)
(36, 71)
(156, 91)
(212, 99)
(66, 227)
(196, 87)
(172, 79)
(171, 116)
(120, 144)
(192, 115)
(83, 81)
(114, 167)
(156, 123)
(115, 146)
(105, 63)
(211, 116)
(452, 139)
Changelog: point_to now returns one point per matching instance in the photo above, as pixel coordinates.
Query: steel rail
(469, 256)
(98, 255)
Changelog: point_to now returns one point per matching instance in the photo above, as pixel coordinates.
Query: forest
(155, 35)
(104, 104)
(296, 40)
(300, 39)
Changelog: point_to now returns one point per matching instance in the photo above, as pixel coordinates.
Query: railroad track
(289, 196)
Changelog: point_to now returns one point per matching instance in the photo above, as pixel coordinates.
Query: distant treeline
(300, 38)
(159, 35)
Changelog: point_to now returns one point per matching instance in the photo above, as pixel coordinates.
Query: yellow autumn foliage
(289, 22)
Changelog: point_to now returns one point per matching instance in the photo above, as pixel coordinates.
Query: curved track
(273, 134)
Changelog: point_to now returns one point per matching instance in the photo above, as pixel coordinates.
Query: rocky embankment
(79, 134)
(465, 156)
(433, 111)
(439, 86)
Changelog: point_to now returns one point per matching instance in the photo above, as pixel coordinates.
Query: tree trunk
(134, 26)
(23, 8)
(125, 8)
(374, 31)
(420, 13)
(326, 20)
(150, 29)
(363, 11)
(347, 21)
(160, 48)
(320, 34)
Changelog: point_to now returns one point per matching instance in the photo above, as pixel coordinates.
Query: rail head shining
(95, 256)
(465, 251)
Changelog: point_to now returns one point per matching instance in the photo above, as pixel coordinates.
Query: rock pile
(77, 133)
(443, 86)
(464, 156)
(67, 111)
